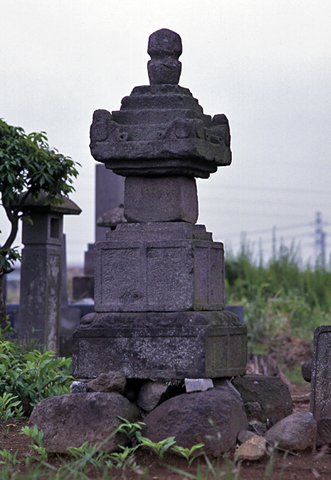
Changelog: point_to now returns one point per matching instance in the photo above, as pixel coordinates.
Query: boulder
(78, 387)
(150, 395)
(108, 382)
(70, 420)
(306, 370)
(271, 393)
(214, 418)
(295, 432)
(245, 435)
(253, 449)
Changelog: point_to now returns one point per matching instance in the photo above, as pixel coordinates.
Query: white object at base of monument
(198, 384)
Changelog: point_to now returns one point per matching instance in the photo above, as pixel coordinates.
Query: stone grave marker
(320, 403)
(159, 279)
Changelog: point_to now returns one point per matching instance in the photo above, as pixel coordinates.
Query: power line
(267, 230)
(268, 189)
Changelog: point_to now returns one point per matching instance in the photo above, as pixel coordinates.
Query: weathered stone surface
(323, 436)
(270, 392)
(78, 387)
(160, 345)
(108, 382)
(70, 420)
(161, 274)
(198, 384)
(306, 370)
(320, 400)
(112, 217)
(252, 449)
(245, 435)
(161, 199)
(109, 194)
(150, 395)
(295, 432)
(161, 129)
(164, 47)
(188, 418)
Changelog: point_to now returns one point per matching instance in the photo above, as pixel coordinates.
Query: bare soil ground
(301, 466)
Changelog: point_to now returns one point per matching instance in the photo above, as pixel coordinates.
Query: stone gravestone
(109, 194)
(159, 279)
(320, 400)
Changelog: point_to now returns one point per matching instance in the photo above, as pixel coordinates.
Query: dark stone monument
(41, 271)
(159, 279)
(320, 395)
(109, 195)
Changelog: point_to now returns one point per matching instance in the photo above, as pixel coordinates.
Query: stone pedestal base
(160, 345)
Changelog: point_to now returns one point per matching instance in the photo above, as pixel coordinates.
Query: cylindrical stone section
(160, 199)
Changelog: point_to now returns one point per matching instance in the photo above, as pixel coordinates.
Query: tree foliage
(29, 166)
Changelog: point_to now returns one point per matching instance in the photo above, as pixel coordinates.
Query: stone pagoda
(159, 279)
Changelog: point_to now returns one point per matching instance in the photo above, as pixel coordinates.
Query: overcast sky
(266, 64)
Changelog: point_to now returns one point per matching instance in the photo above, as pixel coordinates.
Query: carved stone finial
(164, 47)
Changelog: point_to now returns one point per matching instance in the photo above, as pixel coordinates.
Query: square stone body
(161, 199)
(143, 268)
(159, 307)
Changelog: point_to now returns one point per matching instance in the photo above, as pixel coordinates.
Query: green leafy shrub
(32, 376)
(10, 407)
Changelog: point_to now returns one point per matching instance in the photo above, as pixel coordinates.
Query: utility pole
(319, 241)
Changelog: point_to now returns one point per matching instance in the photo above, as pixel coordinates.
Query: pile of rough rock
(253, 410)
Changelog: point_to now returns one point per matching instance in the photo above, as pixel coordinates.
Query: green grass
(282, 298)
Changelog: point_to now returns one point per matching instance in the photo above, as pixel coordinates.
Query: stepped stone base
(160, 345)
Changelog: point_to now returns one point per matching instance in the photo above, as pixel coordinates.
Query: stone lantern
(159, 279)
(41, 271)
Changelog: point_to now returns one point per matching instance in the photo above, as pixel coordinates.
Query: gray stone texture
(111, 218)
(306, 370)
(295, 432)
(271, 393)
(161, 199)
(109, 194)
(78, 387)
(159, 279)
(320, 400)
(198, 384)
(70, 420)
(82, 287)
(214, 418)
(252, 449)
(323, 436)
(41, 271)
(160, 345)
(245, 435)
(108, 382)
(150, 395)
(161, 129)
(143, 267)
(164, 47)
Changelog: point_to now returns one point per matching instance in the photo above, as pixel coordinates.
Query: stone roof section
(160, 128)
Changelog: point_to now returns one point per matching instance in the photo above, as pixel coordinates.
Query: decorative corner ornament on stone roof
(161, 128)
